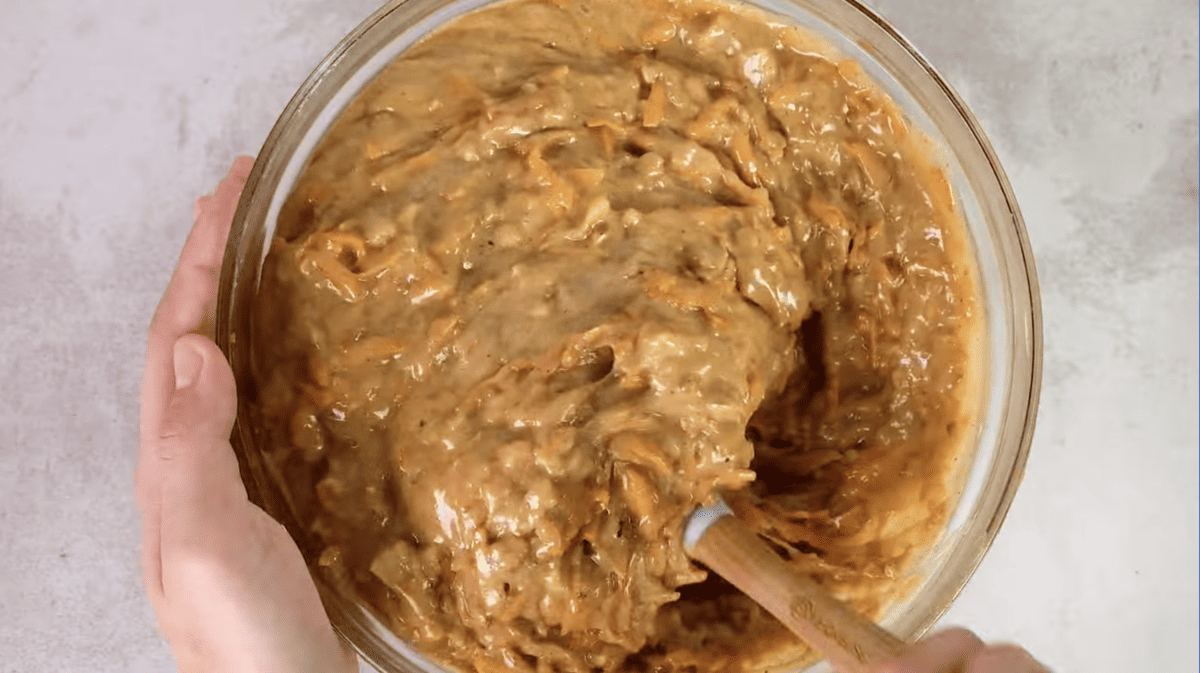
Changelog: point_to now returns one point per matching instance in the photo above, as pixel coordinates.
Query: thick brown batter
(566, 268)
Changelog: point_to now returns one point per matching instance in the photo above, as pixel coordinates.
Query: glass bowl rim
(241, 230)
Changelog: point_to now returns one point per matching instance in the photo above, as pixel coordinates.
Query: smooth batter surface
(566, 268)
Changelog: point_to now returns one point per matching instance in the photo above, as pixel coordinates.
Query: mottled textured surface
(117, 114)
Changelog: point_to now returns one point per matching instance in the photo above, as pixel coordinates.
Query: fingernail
(188, 363)
(199, 207)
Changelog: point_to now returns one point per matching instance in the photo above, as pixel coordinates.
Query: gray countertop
(116, 114)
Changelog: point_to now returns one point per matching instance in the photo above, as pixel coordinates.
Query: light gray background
(116, 114)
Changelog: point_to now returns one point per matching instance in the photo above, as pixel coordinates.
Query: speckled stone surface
(116, 114)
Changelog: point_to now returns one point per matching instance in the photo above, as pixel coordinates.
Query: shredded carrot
(560, 195)
(877, 174)
(372, 349)
(340, 278)
(826, 213)
(636, 448)
(655, 109)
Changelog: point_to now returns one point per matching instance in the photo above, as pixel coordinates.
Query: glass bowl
(984, 482)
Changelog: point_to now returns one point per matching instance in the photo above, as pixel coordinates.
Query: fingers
(192, 287)
(228, 584)
(1004, 658)
(944, 652)
(181, 308)
(960, 651)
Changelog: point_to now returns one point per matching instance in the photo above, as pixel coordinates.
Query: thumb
(204, 403)
(200, 487)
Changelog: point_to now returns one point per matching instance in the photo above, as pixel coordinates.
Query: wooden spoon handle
(850, 642)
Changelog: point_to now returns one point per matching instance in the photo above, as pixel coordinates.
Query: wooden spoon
(715, 537)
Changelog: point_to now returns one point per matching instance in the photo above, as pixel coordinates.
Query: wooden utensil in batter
(716, 538)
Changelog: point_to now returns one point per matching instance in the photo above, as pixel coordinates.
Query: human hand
(229, 586)
(960, 651)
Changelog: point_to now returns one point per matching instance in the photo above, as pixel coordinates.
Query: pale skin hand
(960, 651)
(229, 587)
